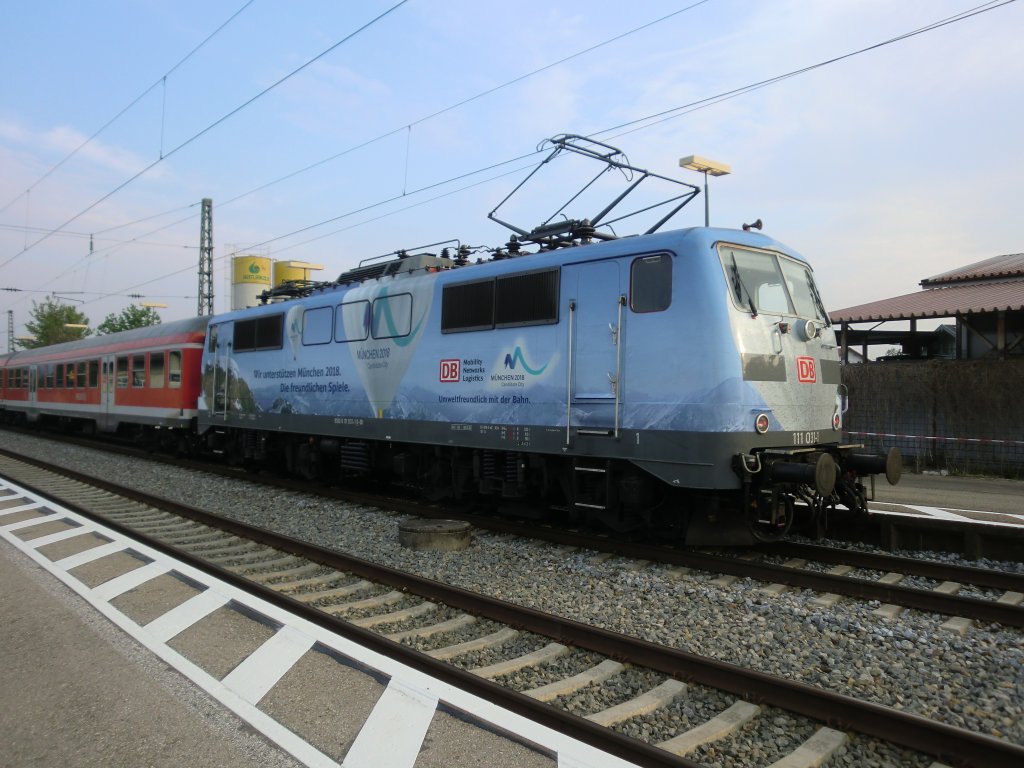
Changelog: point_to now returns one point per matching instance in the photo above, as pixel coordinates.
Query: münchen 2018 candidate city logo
(512, 358)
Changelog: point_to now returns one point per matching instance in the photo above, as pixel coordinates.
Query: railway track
(963, 593)
(417, 619)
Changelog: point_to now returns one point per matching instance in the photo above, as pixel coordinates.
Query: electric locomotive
(686, 381)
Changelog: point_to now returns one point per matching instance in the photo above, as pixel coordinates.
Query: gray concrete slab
(78, 692)
(325, 701)
(44, 529)
(62, 549)
(106, 568)
(155, 598)
(222, 640)
(453, 741)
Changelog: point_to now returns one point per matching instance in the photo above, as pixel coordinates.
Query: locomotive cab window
(650, 283)
(762, 281)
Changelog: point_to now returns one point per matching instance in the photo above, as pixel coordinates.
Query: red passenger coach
(143, 379)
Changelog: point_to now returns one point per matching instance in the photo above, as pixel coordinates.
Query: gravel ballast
(975, 681)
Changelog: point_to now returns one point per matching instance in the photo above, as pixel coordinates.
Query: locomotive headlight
(761, 423)
(837, 421)
(807, 329)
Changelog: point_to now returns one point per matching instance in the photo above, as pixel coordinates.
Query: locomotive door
(595, 315)
(216, 384)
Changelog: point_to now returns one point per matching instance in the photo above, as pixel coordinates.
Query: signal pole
(206, 258)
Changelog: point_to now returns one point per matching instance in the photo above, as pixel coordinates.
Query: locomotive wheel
(770, 517)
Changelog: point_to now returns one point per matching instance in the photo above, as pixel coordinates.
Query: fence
(961, 416)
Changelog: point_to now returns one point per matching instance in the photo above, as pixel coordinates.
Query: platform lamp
(705, 166)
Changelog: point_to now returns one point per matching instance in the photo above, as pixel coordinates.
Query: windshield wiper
(738, 288)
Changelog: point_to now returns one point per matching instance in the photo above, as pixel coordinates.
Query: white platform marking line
(393, 733)
(33, 521)
(53, 538)
(183, 616)
(108, 590)
(87, 556)
(944, 513)
(571, 752)
(21, 508)
(254, 677)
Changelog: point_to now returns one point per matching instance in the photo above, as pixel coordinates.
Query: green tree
(131, 316)
(50, 324)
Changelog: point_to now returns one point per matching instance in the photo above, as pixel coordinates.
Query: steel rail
(944, 741)
(929, 569)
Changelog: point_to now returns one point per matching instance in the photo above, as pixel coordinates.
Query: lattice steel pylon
(10, 330)
(206, 258)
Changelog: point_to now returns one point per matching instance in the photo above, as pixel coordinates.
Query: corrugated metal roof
(1010, 265)
(947, 301)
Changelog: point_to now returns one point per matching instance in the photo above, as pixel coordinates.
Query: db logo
(449, 370)
(805, 372)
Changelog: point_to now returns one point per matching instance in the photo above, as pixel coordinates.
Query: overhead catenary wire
(162, 80)
(206, 130)
(654, 118)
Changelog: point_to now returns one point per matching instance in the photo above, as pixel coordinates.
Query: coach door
(595, 317)
(108, 382)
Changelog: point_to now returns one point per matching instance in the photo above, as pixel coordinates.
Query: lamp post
(705, 166)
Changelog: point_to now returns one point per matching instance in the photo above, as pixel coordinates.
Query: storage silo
(294, 271)
(250, 276)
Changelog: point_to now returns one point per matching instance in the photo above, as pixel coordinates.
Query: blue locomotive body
(667, 378)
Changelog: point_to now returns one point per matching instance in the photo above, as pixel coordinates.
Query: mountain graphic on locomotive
(685, 381)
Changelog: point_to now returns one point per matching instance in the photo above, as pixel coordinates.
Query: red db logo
(805, 372)
(449, 370)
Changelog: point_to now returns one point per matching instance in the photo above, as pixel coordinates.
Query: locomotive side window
(392, 316)
(259, 333)
(94, 373)
(122, 372)
(650, 283)
(156, 370)
(467, 306)
(530, 298)
(352, 322)
(174, 369)
(317, 325)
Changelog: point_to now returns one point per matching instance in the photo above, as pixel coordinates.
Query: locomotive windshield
(765, 282)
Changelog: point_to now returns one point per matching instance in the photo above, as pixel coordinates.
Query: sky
(331, 132)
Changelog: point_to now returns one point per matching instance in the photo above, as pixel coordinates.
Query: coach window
(138, 370)
(60, 375)
(83, 376)
(94, 373)
(352, 323)
(650, 283)
(122, 372)
(392, 316)
(156, 370)
(317, 326)
(69, 376)
(174, 369)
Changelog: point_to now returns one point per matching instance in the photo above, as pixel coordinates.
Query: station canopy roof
(991, 285)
